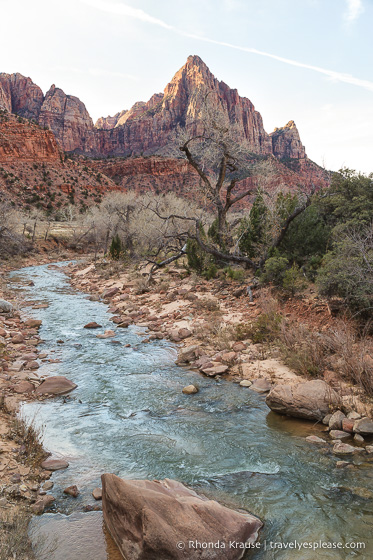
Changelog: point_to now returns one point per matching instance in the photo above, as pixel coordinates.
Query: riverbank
(22, 479)
(214, 324)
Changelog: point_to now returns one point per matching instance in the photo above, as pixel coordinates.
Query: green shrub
(116, 249)
(211, 271)
(266, 327)
(235, 273)
(293, 280)
(274, 270)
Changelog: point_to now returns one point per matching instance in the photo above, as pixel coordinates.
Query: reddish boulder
(72, 491)
(56, 385)
(33, 323)
(160, 519)
(92, 325)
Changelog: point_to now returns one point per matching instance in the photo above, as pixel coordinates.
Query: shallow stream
(128, 416)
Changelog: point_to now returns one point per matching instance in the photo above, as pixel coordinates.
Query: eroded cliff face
(286, 142)
(23, 140)
(147, 128)
(20, 95)
(34, 170)
(68, 119)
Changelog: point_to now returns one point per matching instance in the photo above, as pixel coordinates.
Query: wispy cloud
(354, 10)
(120, 9)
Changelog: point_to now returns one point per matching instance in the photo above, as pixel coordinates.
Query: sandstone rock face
(147, 519)
(311, 400)
(68, 119)
(286, 142)
(27, 142)
(20, 95)
(147, 129)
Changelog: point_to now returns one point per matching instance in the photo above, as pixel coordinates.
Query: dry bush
(209, 304)
(30, 438)
(18, 543)
(140, 284)
(354, 355)
(215, 331)
(11, 241)
(302, 350)
(310, 353)
(163, 286)
(342, 350)
(14, 540)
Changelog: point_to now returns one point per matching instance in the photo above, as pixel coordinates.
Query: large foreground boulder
(312, 400)
(164, 520)
(55, 385)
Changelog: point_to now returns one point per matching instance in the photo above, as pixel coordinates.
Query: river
(128, 416)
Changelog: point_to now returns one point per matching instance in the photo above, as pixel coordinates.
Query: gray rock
(5, 306)
(315, 439)
(261, 385)
(54, 464)
(339, 434)
(353, 415)
(245, 383)
(42, 503)
(311, 399)
(55, 385)
(326, 419)
(342, 464)
(189, 354)
(364, 426)
(148, 518)
(97, 493)
(335, 422)
(359, 438)
(369, 449)
(345, 449)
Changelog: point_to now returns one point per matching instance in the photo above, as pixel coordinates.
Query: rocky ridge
(146, 127)
(132, 148)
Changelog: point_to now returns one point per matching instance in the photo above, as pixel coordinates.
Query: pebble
(315, 439)
(72, 491)
(245, 383)
(190, 389)
(97, 493)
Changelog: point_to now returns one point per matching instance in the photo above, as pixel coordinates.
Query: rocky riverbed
(143, 324)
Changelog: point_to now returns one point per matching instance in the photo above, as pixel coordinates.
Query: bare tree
(11, 241)
(222, 158)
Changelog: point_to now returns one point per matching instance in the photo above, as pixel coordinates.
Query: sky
(310, 61)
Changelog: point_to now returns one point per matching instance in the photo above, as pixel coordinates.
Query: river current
(128, 416)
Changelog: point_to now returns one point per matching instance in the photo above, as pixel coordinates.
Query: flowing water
(128, 416)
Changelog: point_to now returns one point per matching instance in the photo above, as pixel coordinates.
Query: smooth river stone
(54, 464)
(55, 385)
